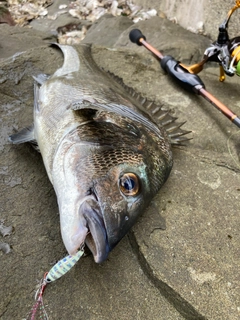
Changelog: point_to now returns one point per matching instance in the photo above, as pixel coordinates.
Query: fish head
(107, 186)
(126, 190)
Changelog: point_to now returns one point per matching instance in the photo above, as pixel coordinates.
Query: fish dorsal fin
(160, 115)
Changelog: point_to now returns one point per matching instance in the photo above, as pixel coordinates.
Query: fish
(106, 149)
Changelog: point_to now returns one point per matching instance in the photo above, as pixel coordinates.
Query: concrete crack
(179, 303)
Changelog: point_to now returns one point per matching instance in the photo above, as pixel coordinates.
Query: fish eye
(129, 184)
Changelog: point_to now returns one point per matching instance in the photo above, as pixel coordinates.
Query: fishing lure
(56, 272)
(63, 266)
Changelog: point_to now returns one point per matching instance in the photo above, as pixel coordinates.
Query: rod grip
(189, 81)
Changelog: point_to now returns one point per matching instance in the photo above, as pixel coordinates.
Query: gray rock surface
(181, 259)
(202, 16)
(50, 25)
(16, 40)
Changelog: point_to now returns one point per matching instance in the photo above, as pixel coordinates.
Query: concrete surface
(181, 259)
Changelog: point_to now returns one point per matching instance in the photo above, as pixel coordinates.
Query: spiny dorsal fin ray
(161, 116)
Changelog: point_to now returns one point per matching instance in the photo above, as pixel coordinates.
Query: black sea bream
(106, 150)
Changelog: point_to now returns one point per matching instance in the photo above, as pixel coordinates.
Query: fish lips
(96, 239)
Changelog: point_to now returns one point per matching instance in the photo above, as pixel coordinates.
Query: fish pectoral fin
(24, 135)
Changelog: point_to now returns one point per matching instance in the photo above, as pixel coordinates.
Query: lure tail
(56, 272)
(38, 309)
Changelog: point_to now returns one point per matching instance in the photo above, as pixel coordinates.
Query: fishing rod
(224, 51)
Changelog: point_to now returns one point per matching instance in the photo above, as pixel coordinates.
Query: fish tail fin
(71, 61)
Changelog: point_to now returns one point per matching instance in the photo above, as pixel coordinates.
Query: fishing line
(229, 148)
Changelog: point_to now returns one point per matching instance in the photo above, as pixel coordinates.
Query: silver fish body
(103, 153)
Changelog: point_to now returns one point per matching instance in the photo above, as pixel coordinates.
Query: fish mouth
(96, 237)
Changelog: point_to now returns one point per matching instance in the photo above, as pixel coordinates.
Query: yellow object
(222, 74)
(237, 5)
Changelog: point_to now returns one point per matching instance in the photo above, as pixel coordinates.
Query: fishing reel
(224, 51)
